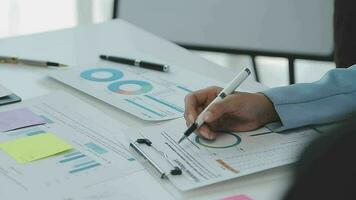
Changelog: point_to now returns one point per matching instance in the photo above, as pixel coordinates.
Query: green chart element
(225, 141)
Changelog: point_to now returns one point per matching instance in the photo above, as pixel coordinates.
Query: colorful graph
(225, 140)
(143, 87)
(102, 74)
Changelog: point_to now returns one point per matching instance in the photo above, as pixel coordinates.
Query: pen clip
(175, 171)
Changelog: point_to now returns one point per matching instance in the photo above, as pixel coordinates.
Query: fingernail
(191, 117)
(204, 133)
(212, 137)
(208, 116)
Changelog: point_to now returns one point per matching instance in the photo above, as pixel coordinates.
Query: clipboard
(12, 98)
(141, 143)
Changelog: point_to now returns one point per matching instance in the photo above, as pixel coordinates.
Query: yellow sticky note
(31, 148)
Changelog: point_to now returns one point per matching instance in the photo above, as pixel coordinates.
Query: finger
(206, 132)
(228, 105)
(190, 108)
(196, 99)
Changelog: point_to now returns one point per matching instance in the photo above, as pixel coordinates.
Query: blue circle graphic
(234, 143)
(89, 74)
(144, 87)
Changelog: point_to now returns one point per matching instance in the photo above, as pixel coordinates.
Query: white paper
(137, 186)
(95, 159)
(231, 155)
(4, 91)
(147, 94)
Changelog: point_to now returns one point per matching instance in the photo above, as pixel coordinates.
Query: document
(94, 159)
(19, 118)
(136, 186)
(231, 155)
(4, 91)
(147, 94)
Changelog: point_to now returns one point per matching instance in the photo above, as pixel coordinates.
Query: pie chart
(102, 74)
(225, 140)
(130, 87)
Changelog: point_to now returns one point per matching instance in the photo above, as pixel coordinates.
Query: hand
(239, 111)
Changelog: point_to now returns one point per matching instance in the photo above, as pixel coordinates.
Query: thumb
(219, 108)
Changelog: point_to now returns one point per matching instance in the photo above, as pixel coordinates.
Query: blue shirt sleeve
(331, 99)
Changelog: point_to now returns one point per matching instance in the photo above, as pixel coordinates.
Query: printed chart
(95, 156)
(231, 155)
(147, 94)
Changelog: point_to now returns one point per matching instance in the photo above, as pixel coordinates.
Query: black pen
(137, 63)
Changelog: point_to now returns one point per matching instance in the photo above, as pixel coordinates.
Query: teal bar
(98, 149)
(185, 89)
(47, 119)
(165, 103)
(72, 154)
(72, 158)
(83, 164)
(35, 133)
(143, 107)
(29, 131)
(84, 168)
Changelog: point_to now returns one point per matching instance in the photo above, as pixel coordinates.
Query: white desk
(80, 46)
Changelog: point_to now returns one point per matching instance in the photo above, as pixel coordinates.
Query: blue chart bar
(98, 149)
(145, 108)
(47, 119)
(35, 133)
(86, 163)
(165, 103)
(184, 88)
(28, 132)
(78, 162)
(72, 158)
(72, 154)
(84, 168)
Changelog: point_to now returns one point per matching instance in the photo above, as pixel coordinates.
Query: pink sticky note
(237, 197)
(19, 118)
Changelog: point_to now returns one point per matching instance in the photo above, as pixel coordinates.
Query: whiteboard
(285, 26)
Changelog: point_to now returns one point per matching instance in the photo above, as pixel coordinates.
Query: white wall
(18, 17)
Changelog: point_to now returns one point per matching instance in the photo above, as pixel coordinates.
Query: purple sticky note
(237, 197)
(19, 118)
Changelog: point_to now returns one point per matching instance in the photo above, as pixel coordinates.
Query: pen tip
(62, 65)
(181, 139)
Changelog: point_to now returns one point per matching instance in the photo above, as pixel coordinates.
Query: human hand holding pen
(237, 112)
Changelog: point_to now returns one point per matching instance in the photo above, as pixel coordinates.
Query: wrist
(269, 113)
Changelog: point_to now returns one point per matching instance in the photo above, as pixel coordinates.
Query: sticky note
(27, 149)
(237, 197)
(19, 118)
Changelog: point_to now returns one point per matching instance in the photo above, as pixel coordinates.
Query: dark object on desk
(345, 33)
(327, 168)
(12, 98)
(137, 63)
(175, 171)
(15, 60)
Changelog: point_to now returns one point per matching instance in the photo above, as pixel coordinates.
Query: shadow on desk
(327, 168)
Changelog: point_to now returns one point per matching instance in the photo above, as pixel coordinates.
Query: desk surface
(82, 45)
